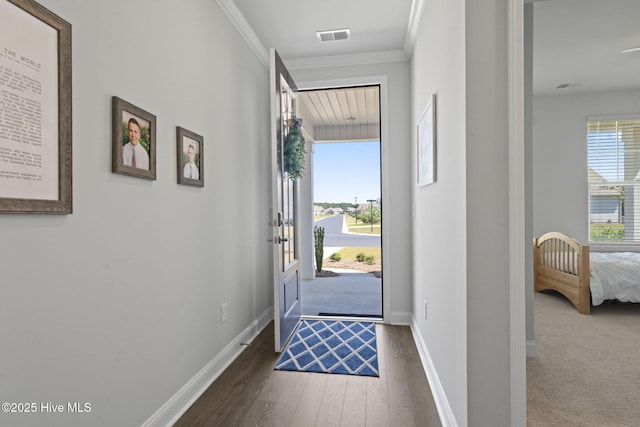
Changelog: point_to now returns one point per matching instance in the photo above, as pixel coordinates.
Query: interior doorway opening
(346, 202)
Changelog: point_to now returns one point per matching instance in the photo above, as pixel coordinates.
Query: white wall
(439, 214)
(560, 157)
(92, 314)
(532, 349)
(460, 222)
(397, 180)
(488, 321)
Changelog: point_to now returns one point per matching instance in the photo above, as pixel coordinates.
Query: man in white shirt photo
(133, 153)
(190, 168)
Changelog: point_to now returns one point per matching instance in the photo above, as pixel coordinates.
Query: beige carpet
(588, 369)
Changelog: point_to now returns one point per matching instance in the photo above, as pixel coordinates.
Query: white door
(284, 218)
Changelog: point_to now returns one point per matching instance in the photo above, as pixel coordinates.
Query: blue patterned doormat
(333, 347)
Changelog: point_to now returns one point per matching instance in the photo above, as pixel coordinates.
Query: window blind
(614, 180)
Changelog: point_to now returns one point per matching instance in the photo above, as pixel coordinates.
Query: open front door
(284, 218)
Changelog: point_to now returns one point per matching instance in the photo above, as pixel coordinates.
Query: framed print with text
(35, 110)
(133, 140)
(427, 145)
(190, 155)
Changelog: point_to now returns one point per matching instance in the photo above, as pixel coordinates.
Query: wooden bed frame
(561, 264)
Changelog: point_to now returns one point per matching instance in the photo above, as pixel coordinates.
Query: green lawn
(349, 254)
(607, 232)
(361, 227)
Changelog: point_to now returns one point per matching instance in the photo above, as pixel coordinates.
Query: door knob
(278, 239)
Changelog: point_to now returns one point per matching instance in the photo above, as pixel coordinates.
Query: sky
(343, 171)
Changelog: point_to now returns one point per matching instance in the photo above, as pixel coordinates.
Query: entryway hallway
(251, 393)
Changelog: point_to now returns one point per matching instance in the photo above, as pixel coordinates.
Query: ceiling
(290, 25)
(579, 42)
(349, 114)
(576, 42)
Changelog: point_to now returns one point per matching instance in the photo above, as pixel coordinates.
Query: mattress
(614, 275)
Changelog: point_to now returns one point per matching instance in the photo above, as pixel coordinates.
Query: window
(614, 180)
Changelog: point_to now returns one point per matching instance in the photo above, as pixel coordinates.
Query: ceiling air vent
(333, 35)
(567, 85)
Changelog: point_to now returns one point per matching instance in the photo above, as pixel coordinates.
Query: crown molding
(240, 22)
(412, 27)
(346, 60)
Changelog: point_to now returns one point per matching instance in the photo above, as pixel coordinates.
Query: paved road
(334, 237)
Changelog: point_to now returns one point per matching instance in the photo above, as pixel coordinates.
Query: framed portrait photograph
(190, 155)
(133, 140)
(427, 145)
(35, 110)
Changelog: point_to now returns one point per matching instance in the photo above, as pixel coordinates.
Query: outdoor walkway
(353, 293)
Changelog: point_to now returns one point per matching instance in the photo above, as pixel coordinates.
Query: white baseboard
(178, 404)
(447, 418)
(399, 318)
(532, 349)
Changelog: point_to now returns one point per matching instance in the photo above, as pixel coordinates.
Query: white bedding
(614, 275)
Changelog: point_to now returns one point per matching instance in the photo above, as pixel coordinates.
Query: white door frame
(517, 238)
(387, 216)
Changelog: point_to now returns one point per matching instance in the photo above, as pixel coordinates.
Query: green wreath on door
(294, 151)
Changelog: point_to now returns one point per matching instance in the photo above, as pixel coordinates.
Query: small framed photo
(134, 140)
(190, 155)
(427, 145)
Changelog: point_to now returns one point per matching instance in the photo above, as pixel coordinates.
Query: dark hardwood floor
(251, 393)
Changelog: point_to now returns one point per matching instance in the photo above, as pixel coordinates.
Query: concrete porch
(351, 293)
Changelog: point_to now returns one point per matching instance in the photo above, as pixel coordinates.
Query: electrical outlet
(425, 309)
(224, 313)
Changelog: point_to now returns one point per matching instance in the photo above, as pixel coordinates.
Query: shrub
(335, 256)
(372, 216)
(370, 259)
(360, 257)
(318, 234)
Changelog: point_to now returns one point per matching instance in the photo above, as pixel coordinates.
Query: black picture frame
(128, 158)
(187, 140)
(27, 201)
